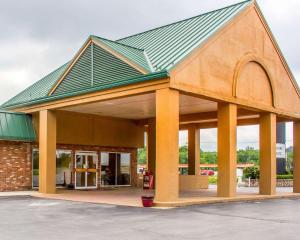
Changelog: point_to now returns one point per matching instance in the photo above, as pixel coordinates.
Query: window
(63, 167)
(115, 168)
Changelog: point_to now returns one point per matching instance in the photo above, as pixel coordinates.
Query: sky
(37, 36)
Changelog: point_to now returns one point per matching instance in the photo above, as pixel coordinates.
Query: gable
(242, 64)
(95, 67)
(137, 57)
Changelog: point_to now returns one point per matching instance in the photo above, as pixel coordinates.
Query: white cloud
(39, 36)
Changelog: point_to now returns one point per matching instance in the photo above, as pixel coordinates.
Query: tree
(183, 155)
(248, 155)
(208, 157)
(142, 157)
(289, 159)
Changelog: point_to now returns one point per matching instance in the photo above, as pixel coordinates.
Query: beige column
(267, 153)
(193, 150)
(151, 145)
(227, 122)
(296, 161)
(47, 154)
(167, 157)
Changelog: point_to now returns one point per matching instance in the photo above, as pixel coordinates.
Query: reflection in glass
(91, 161)
(63, 167)
(86, 170)
(124, 169)
(35, 168)
(80, 179)
(104, 168)
(80, 159)
(91, 179)
(115, 168)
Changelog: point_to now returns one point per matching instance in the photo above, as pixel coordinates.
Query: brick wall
(15, 166)
(16, 163)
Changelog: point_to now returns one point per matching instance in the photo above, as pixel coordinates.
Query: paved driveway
(33, 218)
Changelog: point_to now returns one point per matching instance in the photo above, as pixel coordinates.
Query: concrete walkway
(17, 193)
(132, 196)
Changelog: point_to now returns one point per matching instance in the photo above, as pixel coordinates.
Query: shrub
(212, 180)
(286, 176)
(251, 172)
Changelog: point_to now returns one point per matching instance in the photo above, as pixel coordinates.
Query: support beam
(167, 157)
(206, 125)
(227, 122)
(47, 152)
(296, 162)
(151, 145)
(193, 150)
(267, 153)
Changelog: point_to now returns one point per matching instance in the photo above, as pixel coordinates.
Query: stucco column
(151, 145)
(296, 162)
(47, 152)
(267, 153)
(193, 150)
(227, 122)
(167, 157)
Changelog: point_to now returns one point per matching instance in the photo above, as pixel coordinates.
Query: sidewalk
(18, 193)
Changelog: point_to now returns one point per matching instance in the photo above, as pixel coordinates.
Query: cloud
(38, 36)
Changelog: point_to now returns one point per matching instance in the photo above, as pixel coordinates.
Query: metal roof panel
(95, 67)
(168, 44)
(136, 55)
(16, 127)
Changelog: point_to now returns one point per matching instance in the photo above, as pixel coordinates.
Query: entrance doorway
(86, 164)
(115, 169)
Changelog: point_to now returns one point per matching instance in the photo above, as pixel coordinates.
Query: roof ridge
(123, 44)
(148, 61)
(169, 24)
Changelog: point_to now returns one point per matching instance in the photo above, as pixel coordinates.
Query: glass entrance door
(86, 164)
(115, 169)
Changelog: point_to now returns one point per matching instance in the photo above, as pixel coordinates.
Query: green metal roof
(142, 78)
(38, 90)
(156, 51)
(16, 127)
(136, 55)
(95, 67)
(169, 44)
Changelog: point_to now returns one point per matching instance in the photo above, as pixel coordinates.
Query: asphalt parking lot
(33, 218)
